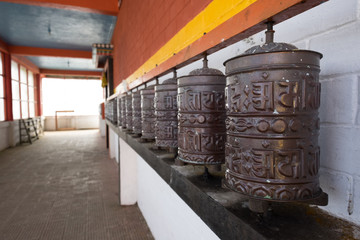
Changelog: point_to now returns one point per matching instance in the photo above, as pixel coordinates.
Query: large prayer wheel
(128, 103)
(136, 112)
(166, 126)
(272, 102)
(201, 115)
(148, 113)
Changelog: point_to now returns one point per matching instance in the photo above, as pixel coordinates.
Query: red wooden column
(38, 80)
(8, 90)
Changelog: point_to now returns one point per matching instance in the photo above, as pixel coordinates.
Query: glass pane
(15, 90)
(30, 78)
(1, 87)
(23, 77)
(2, 110)
(31, 93)
(24, 92)
(24, 109)
(32, 109)
(14, 70)
(1, 64)
(16, 109)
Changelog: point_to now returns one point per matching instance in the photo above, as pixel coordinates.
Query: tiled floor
(64, 186)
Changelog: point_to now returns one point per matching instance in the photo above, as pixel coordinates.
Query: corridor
(64, 186)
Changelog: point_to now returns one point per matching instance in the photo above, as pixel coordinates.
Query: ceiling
(55, 28)
(61, 63)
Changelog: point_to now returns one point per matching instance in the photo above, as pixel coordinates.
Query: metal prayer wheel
(272, 102)
(148, 113)
(111, 111)
(136, 112)
(114, 111)
(128, 103)
(118, 105)
(201, 106)
(166, 125)
(123, 110)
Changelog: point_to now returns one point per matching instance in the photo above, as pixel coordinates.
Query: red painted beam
(108, 7)
(70, 73)
(49, 52)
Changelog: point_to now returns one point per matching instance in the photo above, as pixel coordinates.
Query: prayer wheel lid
(205, 70)
(270, 45)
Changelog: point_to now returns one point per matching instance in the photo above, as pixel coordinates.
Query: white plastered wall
(9, 134)
(166, 214)
(128, 174)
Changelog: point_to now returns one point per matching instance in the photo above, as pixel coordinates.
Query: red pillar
(38, 80)
(8, 92)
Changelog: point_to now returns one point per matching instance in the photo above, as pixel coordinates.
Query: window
(22, 82)
(15, 86)
(31, 94)
(2, 93)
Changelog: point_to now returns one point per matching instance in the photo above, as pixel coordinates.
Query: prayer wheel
(111, 111)
(123, 110)
(201, 116)
(118, 105)
(128, 103)
(272, 102)
(136, 112)
(166, 125)
(148, 113)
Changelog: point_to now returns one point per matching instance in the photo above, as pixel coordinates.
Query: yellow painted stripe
(216, 13)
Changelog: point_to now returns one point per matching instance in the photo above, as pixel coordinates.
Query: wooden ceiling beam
(48, 52)
(107, 7)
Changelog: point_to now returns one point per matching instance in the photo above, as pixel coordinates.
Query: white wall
(4, 135)
(128, 174)
(113, 145)
(102, 126)
(9, 134)
(77, 122)
(166, 214)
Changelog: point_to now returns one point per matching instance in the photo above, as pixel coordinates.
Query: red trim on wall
(49, 52)
(8, 89)
(109, 7)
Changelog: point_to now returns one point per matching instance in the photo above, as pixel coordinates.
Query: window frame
(2, 97)
(21, 101)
